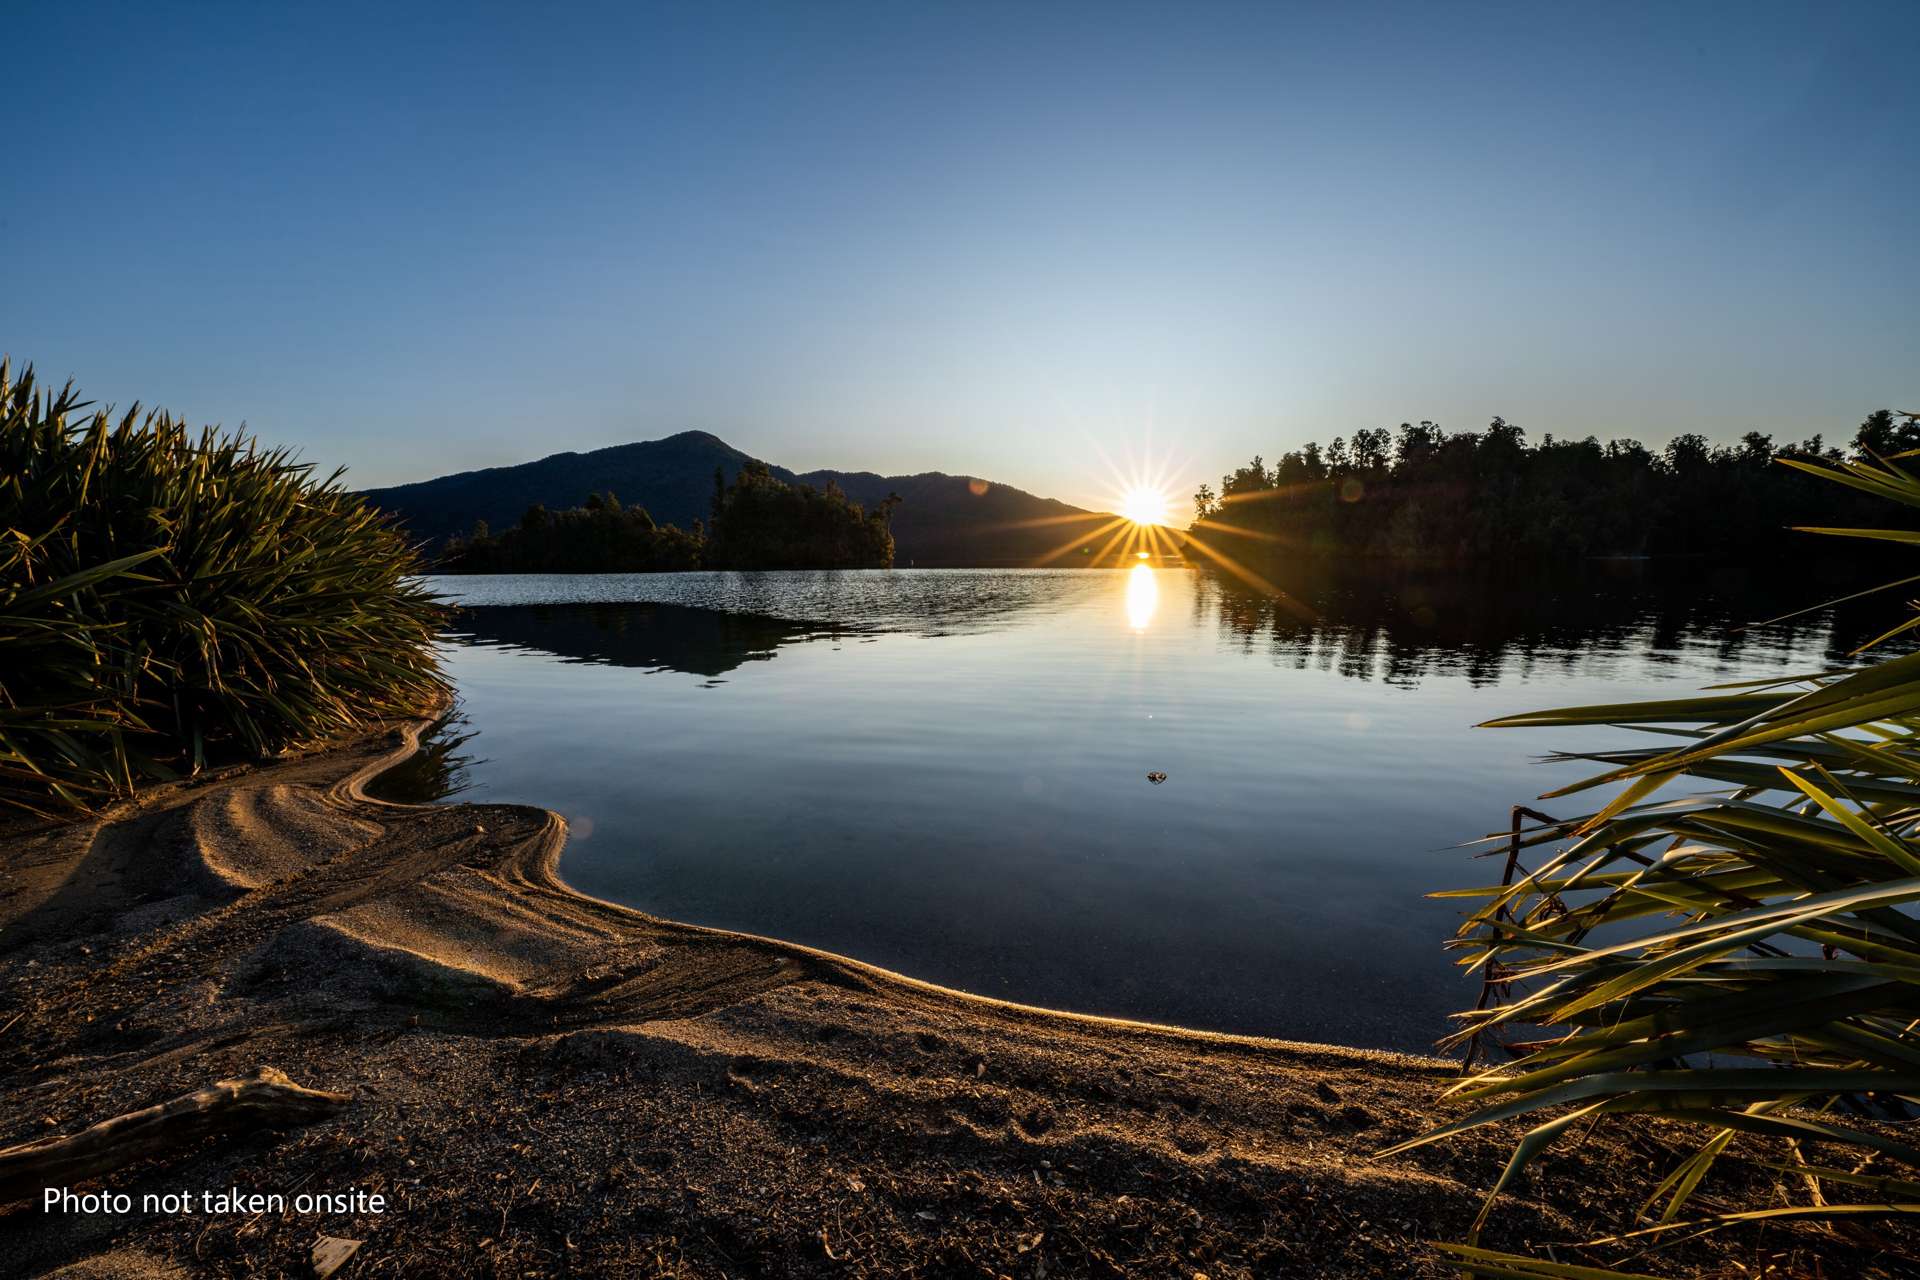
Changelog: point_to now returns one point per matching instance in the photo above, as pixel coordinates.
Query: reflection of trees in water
(913, 602)
(1365, 621)
(439, 770)
(747, 617)
(661, 637)
(1398, 625)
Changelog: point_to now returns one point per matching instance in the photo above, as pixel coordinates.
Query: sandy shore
(545, 1084)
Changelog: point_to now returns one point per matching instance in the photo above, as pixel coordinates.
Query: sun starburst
(1144, 505)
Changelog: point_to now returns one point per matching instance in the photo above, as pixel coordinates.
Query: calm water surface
(945, 772)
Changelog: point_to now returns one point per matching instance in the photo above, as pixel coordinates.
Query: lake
(945, 772)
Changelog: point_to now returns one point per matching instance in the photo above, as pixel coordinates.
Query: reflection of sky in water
(945, 772)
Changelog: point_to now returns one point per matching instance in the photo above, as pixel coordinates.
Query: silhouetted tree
(1881, 435)
(1422, 491)
(760, 522)
(599, 536)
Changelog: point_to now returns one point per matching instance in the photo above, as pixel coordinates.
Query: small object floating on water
(1156, 777)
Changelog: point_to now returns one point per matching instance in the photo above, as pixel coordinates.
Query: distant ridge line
(943, 520)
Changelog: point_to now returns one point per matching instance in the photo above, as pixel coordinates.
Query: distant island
(756, 522)
(941, 519)
(1420, 492)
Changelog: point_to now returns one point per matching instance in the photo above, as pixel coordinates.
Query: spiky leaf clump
(171, 597)
(1738, 955)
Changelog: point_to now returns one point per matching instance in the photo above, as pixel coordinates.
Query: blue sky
(996, 239)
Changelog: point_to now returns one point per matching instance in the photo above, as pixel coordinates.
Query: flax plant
(1728, 944)
(169, 598)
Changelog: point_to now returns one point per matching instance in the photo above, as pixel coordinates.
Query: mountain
(941, 520)
(963, 520)
(671, 478)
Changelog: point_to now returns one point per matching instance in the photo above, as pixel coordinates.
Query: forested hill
(1421, 492)
(941, 519)
(671, 478)
(961, 520)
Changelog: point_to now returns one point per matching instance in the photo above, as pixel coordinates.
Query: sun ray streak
(1083, 539)
(1249, 577)
(1125, 531)
(1238, 532)
(1038, 522)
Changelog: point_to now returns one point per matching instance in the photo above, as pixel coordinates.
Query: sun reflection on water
(1143, 596)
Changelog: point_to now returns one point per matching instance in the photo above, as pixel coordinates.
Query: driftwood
(330, 1253)
(267, 1099)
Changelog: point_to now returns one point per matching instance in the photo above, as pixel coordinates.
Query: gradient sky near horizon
(996, 239)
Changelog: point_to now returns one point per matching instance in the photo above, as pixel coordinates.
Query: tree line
(757, 522)
(1421, 491)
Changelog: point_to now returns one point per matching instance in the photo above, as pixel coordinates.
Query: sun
(1133, 522)
(1144, 505)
